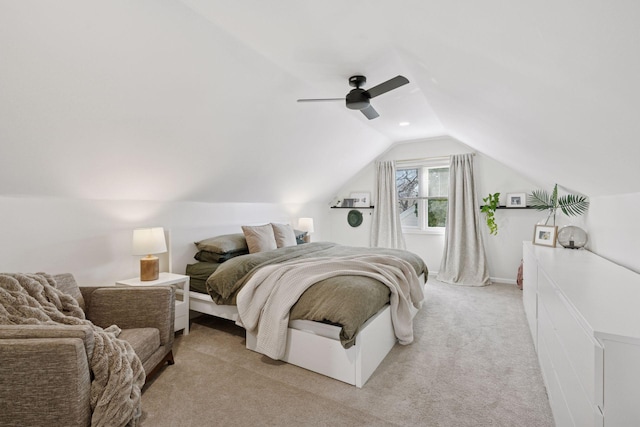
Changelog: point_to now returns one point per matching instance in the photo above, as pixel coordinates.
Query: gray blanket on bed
(347, 301)
(265, 301)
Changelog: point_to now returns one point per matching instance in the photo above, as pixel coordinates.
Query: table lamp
(306, 224)
(149, 241)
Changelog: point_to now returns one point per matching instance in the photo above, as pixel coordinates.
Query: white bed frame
(316, 346)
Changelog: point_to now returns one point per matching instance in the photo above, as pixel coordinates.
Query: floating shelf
(505, 207)
(354, 207)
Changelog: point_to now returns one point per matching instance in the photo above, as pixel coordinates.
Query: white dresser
(584, 316)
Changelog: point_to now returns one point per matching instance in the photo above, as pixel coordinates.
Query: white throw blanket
(119, 376)
(266, 299)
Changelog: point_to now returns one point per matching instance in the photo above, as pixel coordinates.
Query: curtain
(386, 230)
(463, 260)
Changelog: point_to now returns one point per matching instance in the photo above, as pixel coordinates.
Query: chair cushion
(145, 341)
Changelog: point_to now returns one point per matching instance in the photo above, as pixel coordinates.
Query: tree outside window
(423, 196)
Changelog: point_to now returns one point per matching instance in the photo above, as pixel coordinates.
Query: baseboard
(502, 280)
(434, 275)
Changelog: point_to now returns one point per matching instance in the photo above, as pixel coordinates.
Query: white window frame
(423, 166)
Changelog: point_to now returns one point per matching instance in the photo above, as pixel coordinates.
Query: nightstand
(181, 283)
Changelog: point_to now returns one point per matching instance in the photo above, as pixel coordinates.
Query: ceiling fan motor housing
(357, 99)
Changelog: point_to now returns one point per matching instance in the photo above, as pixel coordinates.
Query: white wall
(614, 228)
(92, 238)
(503, 250)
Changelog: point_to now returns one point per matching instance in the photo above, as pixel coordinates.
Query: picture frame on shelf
(361, 199)
(516, 200)
(348, 203)
(545, 235)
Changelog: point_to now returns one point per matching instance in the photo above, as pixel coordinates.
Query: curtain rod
(424, 159)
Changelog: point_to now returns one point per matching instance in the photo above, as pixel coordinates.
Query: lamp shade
(148, 241)
(305, 224)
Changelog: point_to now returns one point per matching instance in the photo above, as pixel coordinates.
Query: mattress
(198, 273)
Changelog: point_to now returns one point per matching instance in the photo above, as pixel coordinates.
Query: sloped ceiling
(196, 99)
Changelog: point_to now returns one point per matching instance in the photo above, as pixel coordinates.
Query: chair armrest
(83, 332)
(131, 307)
(44, 381)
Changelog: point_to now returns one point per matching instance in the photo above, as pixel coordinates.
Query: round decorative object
(572, 237)
(354, 218)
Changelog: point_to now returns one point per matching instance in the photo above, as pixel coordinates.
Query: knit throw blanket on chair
(118, 375)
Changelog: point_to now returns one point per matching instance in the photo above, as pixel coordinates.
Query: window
(423, 195)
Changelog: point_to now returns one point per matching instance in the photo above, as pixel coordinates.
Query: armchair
(45, 377)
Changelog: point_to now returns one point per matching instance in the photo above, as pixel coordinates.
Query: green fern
(573, 205)
(570, 205)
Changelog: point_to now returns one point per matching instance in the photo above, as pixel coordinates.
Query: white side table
(181, 282)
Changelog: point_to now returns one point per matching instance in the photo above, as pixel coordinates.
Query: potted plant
(570, 204)
(491, 203)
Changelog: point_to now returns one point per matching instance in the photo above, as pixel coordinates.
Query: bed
(340, 327)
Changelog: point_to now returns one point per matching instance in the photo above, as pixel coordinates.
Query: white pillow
(284, 234)
(260, 238)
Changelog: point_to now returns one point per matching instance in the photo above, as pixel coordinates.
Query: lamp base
(149, 268)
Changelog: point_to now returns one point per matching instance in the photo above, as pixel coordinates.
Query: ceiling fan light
(357, 105)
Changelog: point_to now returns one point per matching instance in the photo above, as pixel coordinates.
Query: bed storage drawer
(315, 350)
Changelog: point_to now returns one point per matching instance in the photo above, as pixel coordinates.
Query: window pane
(437, 215)
(407, 183)
(407, 186)
(439, 182)
(408, 212)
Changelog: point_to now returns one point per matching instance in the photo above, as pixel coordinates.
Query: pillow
(300, 235)
(260, 238)
(206, 256)
(227, 243)
(284, 234)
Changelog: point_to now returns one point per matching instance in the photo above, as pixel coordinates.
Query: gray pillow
(300, 235)
(205, 256)
(224, 244)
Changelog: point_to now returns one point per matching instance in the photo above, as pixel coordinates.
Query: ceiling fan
(358, 98)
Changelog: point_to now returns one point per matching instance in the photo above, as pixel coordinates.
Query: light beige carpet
(472, 364)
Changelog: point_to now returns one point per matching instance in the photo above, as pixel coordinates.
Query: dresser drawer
(578, 403)
(530, 292)
(561, 413)
(572, 336)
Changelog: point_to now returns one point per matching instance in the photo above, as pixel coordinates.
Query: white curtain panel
(464, 261)
(386, 230)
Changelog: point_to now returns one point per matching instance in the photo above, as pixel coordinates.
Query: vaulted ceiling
(196, 99)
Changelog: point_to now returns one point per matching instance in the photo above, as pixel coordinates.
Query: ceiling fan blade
(385, 87)
(370, 113)
(320, 99)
